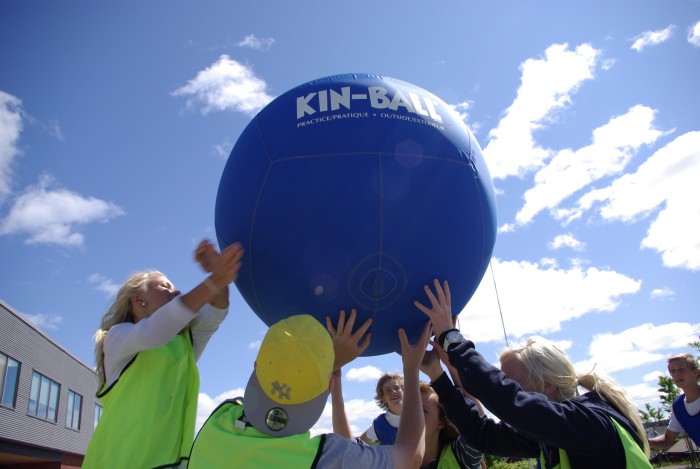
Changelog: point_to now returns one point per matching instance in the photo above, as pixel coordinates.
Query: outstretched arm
(410, 441)
(664, 441)
(341, 426)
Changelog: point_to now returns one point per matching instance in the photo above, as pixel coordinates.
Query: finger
(363, 328)
(365, 343)
(425, 335)
(425, 309)
(329, 325)
(341, 321)
(351, 322)
(431, 297)
(403, 339)
(439, 291)
(446, 288)
(238, 247)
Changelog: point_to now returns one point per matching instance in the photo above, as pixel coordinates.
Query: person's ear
(550, 391)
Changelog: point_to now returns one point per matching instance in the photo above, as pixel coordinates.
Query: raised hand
(440, 311)
(431, 364)
(412, 355)
(206, 255)
(346, 344)
(225, 266)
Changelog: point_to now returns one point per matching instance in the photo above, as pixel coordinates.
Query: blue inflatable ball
(357, 190)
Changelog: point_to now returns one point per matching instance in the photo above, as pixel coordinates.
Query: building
(48, 408)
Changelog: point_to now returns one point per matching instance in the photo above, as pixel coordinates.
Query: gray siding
(35, 351)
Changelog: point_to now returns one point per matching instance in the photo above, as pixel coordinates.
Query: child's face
(682, 375)
(431, 413)
(392, 395)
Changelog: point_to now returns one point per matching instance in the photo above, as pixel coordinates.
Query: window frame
(98, 414)
(71, 410)
(44, 397)
(6, 360)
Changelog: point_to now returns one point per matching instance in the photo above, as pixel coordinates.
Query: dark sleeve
(466, 456)
(481, 432)
(569, 425)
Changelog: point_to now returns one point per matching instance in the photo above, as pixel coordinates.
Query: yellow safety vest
(226, 441)
(149, 412)
(447, 458)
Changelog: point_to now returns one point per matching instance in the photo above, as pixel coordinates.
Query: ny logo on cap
(283, 390)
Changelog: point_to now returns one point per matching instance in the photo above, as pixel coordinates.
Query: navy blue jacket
(581, 426)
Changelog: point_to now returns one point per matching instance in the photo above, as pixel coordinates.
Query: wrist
(211, 285)
(449, 337)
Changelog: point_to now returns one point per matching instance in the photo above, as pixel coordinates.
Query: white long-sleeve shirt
(123, 341)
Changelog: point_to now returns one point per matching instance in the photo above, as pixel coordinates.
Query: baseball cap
(288, 389)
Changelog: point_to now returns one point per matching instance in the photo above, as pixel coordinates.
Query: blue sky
(116, 121)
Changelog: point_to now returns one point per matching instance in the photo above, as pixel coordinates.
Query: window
(75, 406)
(9, 375)
(98, 414)
(43, 397)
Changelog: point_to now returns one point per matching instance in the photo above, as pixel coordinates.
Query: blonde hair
(378, 397)
(547, 364)
(120, 311)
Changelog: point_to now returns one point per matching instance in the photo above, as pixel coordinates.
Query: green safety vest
(635, 457)
(149, 412)
(447, 458)
(226, 441)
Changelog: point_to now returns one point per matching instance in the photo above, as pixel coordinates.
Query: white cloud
(642, 393)
(366, 373)
(653, 376)
(637, 346)
(547, 85)
(54, 129)
(45, 321)
(255, 345)
(104, 284)
(665, 184)
(10, 128)
(360, 414)
(652, 38)
(613, 146)
(53, 216)
(537, 299)
(254, 42)
(663, 293)
(567, 240)
(694, 34)
(223, 149)
(607, 64)
(226, 85)
(461, 109)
